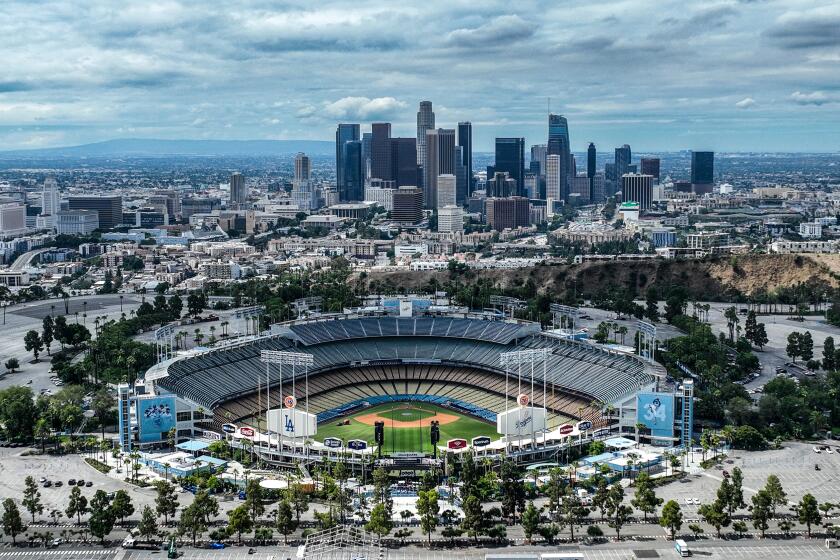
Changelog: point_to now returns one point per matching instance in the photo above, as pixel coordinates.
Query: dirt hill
(705, 280)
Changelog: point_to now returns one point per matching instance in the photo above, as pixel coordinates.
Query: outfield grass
(407, 439)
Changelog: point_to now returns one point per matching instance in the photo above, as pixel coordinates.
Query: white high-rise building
(12, 219)
(302, 192)
(450, 219)
(553, 182)
(50, 204)
(303, 167)
(446, 190)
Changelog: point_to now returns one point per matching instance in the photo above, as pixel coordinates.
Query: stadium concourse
(449, 362)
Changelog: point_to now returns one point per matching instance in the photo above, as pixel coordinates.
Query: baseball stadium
(354, 385)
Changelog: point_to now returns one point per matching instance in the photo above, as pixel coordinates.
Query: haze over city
(659, 75)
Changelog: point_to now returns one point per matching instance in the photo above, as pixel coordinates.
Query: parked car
(88, 484)
(72, 482)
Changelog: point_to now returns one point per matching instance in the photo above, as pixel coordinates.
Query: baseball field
(406, 426)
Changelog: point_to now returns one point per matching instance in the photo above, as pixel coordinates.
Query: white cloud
(363, 108)
(745, 103)
(813, 98)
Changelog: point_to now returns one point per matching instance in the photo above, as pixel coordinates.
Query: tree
(671, 517)
(47, 332)
(777, 495)
(254, 498)
(696, 530)
(192, 522)
(428, 510)
(737, 493)
(32, 498)
(808, 512)
(166, 501)
(761, 510)
(148, 523)
(715, 515)
(285, 521)
(77, 505)
(806, 346)
(12, 364)
(121, 506)
(12, 522)
(196, 302)
(731, 315)
(102, 518)
(380, 520)
(530, 521)
(652, 304)
(207, 506)
(794, 346)
(299, 500)
(102, 404)
(473, 520)
(829, 356)
(740, 527)
(33, 343)
(601, 498)
(645, 498)
(176, 307)
(513, 489)
(617, 512)
(572, 509)
(240, 521)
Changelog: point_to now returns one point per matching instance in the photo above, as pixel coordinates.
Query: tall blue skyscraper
(465, 142)
(352, 172)
(591, 157)
(559, 144)
(622, 163)
(343, 134)
(510, 158)
(702, 168)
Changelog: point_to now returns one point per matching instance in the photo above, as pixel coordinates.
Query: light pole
(293, 359)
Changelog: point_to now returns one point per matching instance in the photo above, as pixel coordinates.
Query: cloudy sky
(658, 74)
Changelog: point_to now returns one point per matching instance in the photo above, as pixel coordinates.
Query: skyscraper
(510, 158)
(636, 187)
(538, 153)
(408, 205)
(702, 172)
(367, 140)
(380, 152)
(500, 185)
(404, 162)
(465, 142)
(559, 144)
(591, 156)
(508, 213)
(303, 167)
(238, 191)
(108, 208)
(446, 190)
(461, 179)
(352, 187)
(343, 134)
(440, 160)
(425, 121)
(650, 166)
(622, 162)
(553, 177)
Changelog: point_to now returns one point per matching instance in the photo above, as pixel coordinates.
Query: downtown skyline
(723, 76)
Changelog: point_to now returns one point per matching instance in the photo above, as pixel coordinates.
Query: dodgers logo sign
(357, 444)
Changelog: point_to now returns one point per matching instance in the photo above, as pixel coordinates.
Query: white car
(816, 449)
(829, 450)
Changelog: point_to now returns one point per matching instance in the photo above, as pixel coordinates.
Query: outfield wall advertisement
(656, 412)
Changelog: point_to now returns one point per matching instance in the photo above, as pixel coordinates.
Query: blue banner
(656, 412)
(155, 417)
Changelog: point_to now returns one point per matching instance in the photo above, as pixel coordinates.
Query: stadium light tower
(647, 340)
(307, 304)
(564, 315)
(513, 364)
(507, 303)
(294, 359)
(165, 342)
(248, 315)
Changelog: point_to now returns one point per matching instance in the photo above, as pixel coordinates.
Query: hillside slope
(704, 280)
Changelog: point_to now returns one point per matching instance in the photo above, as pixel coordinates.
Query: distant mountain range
(151, 147)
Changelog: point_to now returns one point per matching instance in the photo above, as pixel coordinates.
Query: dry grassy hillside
(707, 279)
